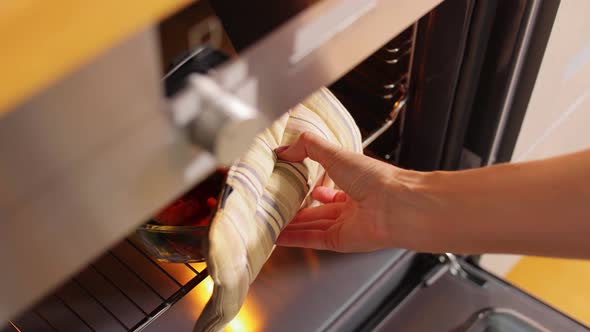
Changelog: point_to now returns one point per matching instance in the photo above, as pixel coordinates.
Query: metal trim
(514, 80)
(264, 77)
(485, 313)
(399, 106)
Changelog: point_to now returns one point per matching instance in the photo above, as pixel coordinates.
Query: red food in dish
(211, 202)
(196, 206)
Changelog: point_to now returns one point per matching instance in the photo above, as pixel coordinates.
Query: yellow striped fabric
(261, 196)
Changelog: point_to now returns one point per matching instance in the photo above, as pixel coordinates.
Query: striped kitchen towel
(261, 195)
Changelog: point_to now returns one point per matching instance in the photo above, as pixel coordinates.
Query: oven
(432, 85)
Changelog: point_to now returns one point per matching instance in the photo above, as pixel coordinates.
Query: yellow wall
(42, 40)
(562, 283)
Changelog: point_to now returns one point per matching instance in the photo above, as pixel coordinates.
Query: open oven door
(449, 293)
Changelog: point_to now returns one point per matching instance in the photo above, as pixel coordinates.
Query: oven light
(208, 283)
(248, 319)
(236, 325)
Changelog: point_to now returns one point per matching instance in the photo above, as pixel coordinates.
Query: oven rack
(123, 290)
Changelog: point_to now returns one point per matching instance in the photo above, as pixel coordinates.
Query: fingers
(342, 166)
(313, 239)
(321, 224)
(309, 145)
(331, 235)
(329, 211)
(328, 195)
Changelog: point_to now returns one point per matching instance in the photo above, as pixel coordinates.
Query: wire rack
(124, 290)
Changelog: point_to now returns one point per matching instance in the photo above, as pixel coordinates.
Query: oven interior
(126, 289)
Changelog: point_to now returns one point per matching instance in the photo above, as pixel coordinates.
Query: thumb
(342, 166)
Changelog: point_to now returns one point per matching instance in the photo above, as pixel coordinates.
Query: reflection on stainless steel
(302, 290)
(527, 32)
(313, 34)
(313, 288)
(264, 77)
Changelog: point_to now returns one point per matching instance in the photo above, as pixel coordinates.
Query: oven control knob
(215, 119)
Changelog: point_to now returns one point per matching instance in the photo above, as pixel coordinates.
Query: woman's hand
(538, 208)
(376, 207)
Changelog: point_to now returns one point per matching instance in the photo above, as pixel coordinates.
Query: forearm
(538, 208)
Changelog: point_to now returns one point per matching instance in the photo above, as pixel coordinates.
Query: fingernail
(281, 148)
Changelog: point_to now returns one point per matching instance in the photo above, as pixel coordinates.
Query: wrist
(419, 211)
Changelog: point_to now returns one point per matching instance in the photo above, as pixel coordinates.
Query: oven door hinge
(453, 265)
